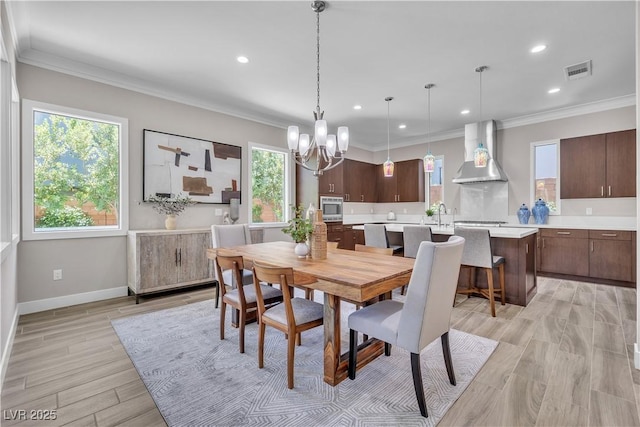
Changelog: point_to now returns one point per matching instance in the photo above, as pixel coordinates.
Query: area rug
(197, 380)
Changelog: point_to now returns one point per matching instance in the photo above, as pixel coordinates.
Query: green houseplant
(299, 228)
(170, 207)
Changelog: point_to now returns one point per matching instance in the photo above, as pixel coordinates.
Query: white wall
(99, 264)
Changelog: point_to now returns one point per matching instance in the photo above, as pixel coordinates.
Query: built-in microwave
(331, 208)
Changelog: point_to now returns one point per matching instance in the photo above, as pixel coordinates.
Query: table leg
(331, 339)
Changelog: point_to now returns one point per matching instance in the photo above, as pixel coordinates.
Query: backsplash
(485, 201)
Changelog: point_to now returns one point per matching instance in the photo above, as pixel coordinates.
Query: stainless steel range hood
(468, 173)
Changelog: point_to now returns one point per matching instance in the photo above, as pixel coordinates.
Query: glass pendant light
(388, 166)
(481, 154)
(429, 159)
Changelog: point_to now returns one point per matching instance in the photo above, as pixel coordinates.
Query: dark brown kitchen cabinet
(335, 233)
(348, 238)
(610, 255)
(597, 166)
(330, 183)
(406, 184)
(564, 251)
(359, 179)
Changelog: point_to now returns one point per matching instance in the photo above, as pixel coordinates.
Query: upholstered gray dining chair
(423, 317)
(224, 236)
(478, 253)
(412, 236)
(376, 235)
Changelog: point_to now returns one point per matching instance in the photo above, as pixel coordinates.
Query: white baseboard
(6, 351)
(636, 356)
(67, 300)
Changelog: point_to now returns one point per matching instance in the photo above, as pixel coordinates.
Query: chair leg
(242, 321)
(299, 339)
(291, 351)
(502, 291)
(492, 301)
(308, 294)
(353, 353)
(223, 310)
(417, 383)
(403, 290)
(261, 329)
(446, 352)
(217, 285)
(387, 349)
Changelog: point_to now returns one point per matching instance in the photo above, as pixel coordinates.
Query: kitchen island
(518, 247)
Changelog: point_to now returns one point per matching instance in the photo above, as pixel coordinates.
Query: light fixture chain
(318, 60)
(388, 133)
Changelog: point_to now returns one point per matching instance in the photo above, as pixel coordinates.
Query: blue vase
(540, 212)
(524, 214)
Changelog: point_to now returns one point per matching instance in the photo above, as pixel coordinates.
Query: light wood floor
(566, 359)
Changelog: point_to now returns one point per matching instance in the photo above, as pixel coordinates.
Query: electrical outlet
(57, 274)
(589, 211)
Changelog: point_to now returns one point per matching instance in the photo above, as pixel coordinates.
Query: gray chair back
(427, 310)
(376, 235)
(224, 236)
(477, 247)
(412, 236)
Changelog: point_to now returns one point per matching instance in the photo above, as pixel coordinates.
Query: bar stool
(478, 254)
(376, 235)
(412, 236)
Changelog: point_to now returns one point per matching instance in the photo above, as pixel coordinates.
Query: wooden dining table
(356, 277)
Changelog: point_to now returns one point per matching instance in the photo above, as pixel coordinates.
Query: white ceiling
(369, 50)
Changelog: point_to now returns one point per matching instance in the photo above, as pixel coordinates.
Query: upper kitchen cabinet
(598, 166)
(406, 184)
(331, 182)
(359, 179)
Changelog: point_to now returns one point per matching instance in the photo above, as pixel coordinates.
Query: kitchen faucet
(440, 206)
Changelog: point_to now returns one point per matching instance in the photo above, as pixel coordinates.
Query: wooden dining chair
(373, 249)
(224, 236)
(242, 298)
(292, 317)
(423, 317)
(478, 253)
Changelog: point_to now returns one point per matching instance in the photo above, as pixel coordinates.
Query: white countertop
(503, 232)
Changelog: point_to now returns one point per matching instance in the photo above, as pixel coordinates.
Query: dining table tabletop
(344, 275)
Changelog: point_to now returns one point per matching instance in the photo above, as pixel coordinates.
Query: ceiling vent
(578, 71)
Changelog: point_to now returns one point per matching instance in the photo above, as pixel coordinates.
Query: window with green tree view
(269, 192)
(74, 172)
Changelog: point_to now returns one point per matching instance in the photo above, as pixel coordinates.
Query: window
(545, 182)
(435, 192)
(74, 173)
(269, 193)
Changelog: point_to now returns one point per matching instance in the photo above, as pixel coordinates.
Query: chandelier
(429, 159)
(323, 146)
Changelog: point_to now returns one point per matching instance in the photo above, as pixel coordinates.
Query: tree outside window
(268, 185)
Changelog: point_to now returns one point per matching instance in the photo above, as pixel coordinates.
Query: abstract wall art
(206, 171)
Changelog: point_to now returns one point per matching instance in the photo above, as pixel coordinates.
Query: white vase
(170, 222)
(301, 249)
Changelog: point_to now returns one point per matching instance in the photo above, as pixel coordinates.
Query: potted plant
(299, 229)
(170, 207)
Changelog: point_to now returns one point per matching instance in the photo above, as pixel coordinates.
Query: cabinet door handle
(609, 191)
(526, 248)
(176, 257)
(180, 256)
(542, 243)
(602, 191)
(362, 197)
(592, 246)
(566, 233)
(609, 235)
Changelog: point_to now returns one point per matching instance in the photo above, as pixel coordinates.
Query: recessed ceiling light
(464, 112)
(242, 59)
(402, 126)
(357, 107)
(554, 90)
(538, 48)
